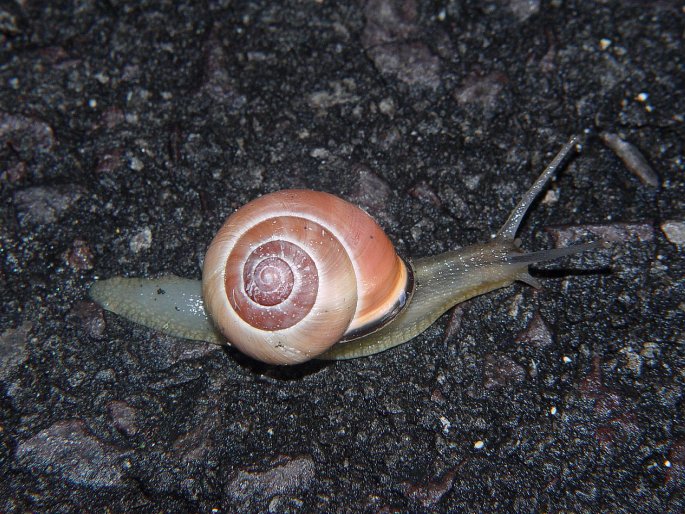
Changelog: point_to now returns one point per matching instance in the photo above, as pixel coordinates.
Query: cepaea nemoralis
(296, 275)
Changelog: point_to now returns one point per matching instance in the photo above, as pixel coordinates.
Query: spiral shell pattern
(293, 272)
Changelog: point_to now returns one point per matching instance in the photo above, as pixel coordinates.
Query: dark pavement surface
(130, 130)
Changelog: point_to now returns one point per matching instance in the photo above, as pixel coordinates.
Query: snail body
(297, 274)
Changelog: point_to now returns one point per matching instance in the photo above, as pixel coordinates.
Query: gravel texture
(130, 130)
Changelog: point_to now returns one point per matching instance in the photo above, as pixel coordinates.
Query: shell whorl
(290, 274)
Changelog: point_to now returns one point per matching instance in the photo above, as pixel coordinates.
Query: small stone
(9, 23)
(124, 417)
(79, 257)
(372, 193)
(551, 197)
(411, 62)
(109, 161)
(423, 226)
(387, 106)
(106, 376)
(112, 117)
(674, 231)
(425, 194)
(482, 93)
(619, 232)
(537, 332)
(13, 347)
(26, 136)
(389, 37)
(633, 361)
(14, 173)
(446, 425)
(90, 317)
(632, 158)
(219, 83)
(455, 319)
(388, 21)
(604, 43)
(197, 444)
(650, 350)
(141, 241)
(284, 475)
(182, 350)
(524, 9)
(319, 153)
(341, 92)
(42, 205)
(136, 164)
(67, 449)
(430, 493)
(500, 371)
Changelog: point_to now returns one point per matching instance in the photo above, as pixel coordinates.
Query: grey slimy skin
(175, 306)
(170, 304)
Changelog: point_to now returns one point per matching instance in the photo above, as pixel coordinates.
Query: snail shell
(294, 272)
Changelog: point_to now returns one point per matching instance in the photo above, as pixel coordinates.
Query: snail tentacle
(511, 226)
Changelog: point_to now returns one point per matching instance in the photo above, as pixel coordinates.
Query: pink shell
(346, 278)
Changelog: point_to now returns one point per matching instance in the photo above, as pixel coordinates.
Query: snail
(297, 274)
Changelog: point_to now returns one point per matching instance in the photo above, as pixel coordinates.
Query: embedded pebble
(42, 205)
(500, 371)
(632, 158)
(136, 164)
(524, 9)
(180, 350)
(650, 351)
(90, 317)
(454, 323)
(319, 153)
(632, 360)
(388, 21)
(430, 493)
(425, 226)
(387, 106)
(9, 23)
(674, 231)
(285, 476)
(388, 37)
(372, 194)
(109, 161)
(411, 62)
(141, 241)
(13, 347)
(14, 173)
(124, 417)
(67, 449)
(423, 192)
(26, 136)
(341, 92)
(618, 232)
(112, 117)
(537, 332)
(220, 84)
(482, 92)
(198, 444)
(79, 257)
